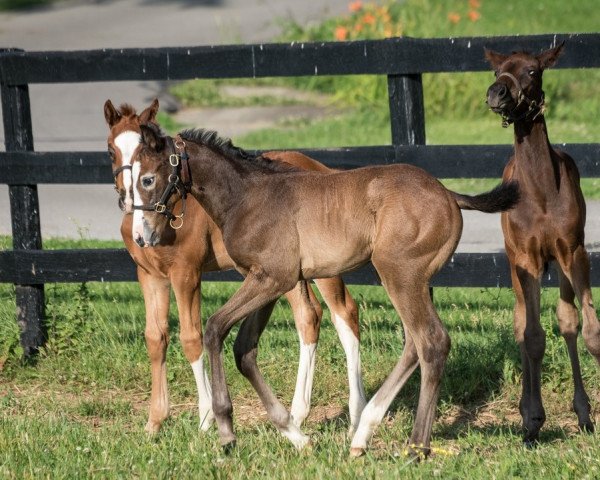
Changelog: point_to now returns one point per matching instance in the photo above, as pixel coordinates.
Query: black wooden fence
(402, 60)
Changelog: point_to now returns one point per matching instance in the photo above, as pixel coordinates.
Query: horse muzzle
(499, 98)
(149, 237)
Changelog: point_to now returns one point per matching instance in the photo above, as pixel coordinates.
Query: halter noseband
(535, 108)
(179, 168)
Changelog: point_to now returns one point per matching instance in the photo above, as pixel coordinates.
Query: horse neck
(217, 182)
(536, 166)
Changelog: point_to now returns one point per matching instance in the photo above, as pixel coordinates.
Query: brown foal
(196, 246)
(281, 225)
(546, 226)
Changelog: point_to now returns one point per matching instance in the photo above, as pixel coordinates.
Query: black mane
(224, 146)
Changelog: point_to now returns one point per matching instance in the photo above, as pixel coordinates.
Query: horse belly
(328, 255)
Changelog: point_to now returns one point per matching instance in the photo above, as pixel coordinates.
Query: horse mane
(224, 146)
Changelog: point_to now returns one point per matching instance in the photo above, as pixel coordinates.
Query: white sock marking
(204, 393)
(304, 383)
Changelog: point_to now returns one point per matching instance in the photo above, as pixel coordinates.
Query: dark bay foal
(546, 226)
(281, 225)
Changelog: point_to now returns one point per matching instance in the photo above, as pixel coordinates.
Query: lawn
(79, 409)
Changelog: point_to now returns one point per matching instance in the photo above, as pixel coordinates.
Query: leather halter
(179, 181)
(535, 108)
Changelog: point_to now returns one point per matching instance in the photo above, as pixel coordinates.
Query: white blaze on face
(127, 142)
(138, 215)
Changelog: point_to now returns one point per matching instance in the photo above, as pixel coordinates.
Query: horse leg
(344, 315)
(186, 285)
(568, 322)
(531, 338)
(307, 315)
(245, 351)
(427, 343)
(580, 279)
(156, 298)
(257, 290)
(374, 411)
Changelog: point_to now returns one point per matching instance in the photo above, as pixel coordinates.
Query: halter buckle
(160, 207)
(174, 159)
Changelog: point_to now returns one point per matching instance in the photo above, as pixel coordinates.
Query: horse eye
(111, 153)
(532, 73)
(147, 182)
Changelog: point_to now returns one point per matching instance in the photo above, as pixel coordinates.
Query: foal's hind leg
(580, 279)
(344, 315)
(568, 322)
(186, 285)
(245, 351)
(156, 298)
(257, 291)
(307, 315)
(427, 344)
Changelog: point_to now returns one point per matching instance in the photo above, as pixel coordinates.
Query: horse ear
(149, 115)
(111, 114)
(495, 59)
(549, 57)
(151, 138)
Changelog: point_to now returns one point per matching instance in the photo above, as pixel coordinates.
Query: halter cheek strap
(180, 168)
(535, 108)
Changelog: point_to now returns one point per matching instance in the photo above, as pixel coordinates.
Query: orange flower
(341, 33)
(454, 17)
(358, 27)
(474, 3)
(355, 6)
(474, 16)
(369, 19)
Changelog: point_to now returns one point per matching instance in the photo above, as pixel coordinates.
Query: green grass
(80, 409)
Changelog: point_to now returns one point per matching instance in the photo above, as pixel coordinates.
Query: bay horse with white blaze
(196, 246)
(546, 226)
(281, 225)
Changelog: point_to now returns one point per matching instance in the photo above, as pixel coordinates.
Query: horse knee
(436, 351)
(156, 344)
(191, 343)
(535, 343)
(568, 318)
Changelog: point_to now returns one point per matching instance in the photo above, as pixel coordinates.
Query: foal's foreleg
(246, 350)
(186, 285)
(531, 338)
(307, 316)
(344, 315)
(156, 298)
(256, 291)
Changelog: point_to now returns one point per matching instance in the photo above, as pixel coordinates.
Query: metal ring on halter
(172, 222)
(173, 178)
(174, 159)
(160, 207)
(180, 144)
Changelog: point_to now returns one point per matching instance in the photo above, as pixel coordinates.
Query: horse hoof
(587, 427)
(356, 452)
(228, 447)
(152, 428)
(530, 443)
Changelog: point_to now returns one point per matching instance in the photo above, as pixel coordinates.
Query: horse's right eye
(111, 152)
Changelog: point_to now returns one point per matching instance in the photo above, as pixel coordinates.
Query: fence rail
(402, 60)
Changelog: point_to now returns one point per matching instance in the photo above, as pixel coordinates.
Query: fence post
(25, 216)
(407, 112)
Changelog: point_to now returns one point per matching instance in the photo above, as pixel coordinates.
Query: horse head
(123, 140)
(517, 92)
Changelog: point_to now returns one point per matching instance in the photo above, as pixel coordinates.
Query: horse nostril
(503, 91)
(140, 241)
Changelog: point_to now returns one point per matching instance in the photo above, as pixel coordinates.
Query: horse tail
(503, 197)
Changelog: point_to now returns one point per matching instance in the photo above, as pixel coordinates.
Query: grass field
(79, 409)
